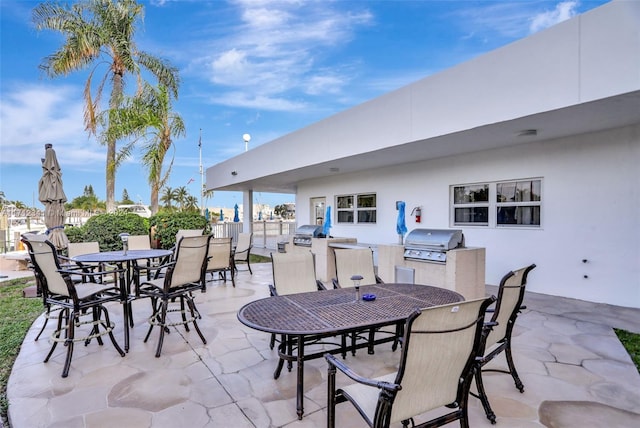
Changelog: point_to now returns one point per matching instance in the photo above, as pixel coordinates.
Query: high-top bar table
(327, 313)
(120, 258)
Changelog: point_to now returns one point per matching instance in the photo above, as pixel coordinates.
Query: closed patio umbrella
(236, 216)
(326, 227)
(401, 226)
(221, 215)
(51, 194)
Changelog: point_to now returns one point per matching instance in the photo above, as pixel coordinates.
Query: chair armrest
(320, 284)
(338, 364)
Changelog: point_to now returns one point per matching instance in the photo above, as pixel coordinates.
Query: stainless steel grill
(305, 233)
(432, 244)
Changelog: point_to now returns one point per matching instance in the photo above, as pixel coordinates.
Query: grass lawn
(17, 314)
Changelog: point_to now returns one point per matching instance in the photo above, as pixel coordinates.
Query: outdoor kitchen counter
(463, 272)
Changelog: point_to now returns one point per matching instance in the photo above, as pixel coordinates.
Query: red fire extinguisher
(417, 211)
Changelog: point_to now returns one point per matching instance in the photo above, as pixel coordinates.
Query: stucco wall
(591, 210)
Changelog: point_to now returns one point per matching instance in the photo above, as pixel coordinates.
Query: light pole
(246, 138)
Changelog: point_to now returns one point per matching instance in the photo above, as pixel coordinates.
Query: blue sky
(260, 67)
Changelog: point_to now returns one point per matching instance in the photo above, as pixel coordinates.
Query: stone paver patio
(576, 373)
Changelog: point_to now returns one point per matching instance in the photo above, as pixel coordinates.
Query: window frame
(355, 209)
(493, 205)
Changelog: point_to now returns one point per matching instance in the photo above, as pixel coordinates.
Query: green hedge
(106, 228)
(165, 225)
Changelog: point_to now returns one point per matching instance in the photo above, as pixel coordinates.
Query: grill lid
(309, 230)
(434, 239)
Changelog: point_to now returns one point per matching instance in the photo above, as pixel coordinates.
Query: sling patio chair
(436, 368)
(354, 267)
(35, 237)
(80, 248)
(143, 242)
(498, 339)
(354, 261)
(184, 275)
(242, 252)
(221, 259)
(293, 273)
(75, 300)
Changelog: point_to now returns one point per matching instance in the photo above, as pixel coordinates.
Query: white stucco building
(533, 150)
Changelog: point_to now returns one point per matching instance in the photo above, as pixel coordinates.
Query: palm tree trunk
(114, 103)
(154, 199)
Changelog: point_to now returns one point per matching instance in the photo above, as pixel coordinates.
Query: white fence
(266, 233)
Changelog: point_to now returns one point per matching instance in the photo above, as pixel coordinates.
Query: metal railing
(266, 233)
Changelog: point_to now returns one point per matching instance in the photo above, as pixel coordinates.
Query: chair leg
(183, 313)
(106, 325)
(163, 321)
(73, 316)
(195, 314)
(249, 265)
(61, 316)
(331, 397)
(482, 395)
(512, 368)
(95, 330)
(46, 320)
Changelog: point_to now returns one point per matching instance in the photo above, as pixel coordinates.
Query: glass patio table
(120, 259)
(323, 314)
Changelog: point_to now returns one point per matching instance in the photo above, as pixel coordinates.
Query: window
(356, 208)
(471, 204)
(518, 203)
(499, 204)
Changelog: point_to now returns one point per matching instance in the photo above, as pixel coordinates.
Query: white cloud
(259, 101)
(563, 11)
(31, 116)
(275, 52)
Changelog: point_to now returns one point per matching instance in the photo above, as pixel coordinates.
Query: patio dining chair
(435, 370)
(221, 259)
(75, 300)
(242, 252)
(80, 248)
(355, 265)
(293, 273)
(354, 261)
(498, 339)
(184, 275)
(143, 242)
(49, 312)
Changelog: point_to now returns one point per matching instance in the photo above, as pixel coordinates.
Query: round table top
(120, 256)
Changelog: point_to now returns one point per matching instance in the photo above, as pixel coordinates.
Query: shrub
(165, 225)
(75, 233)
(105, 229)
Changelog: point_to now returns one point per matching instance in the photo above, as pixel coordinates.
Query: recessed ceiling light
(334, 169)
(528, 133)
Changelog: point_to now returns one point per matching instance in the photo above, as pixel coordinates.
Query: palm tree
(101, 32)
(148, 116)
(181, 196)
(191, 203)
(168, 196)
